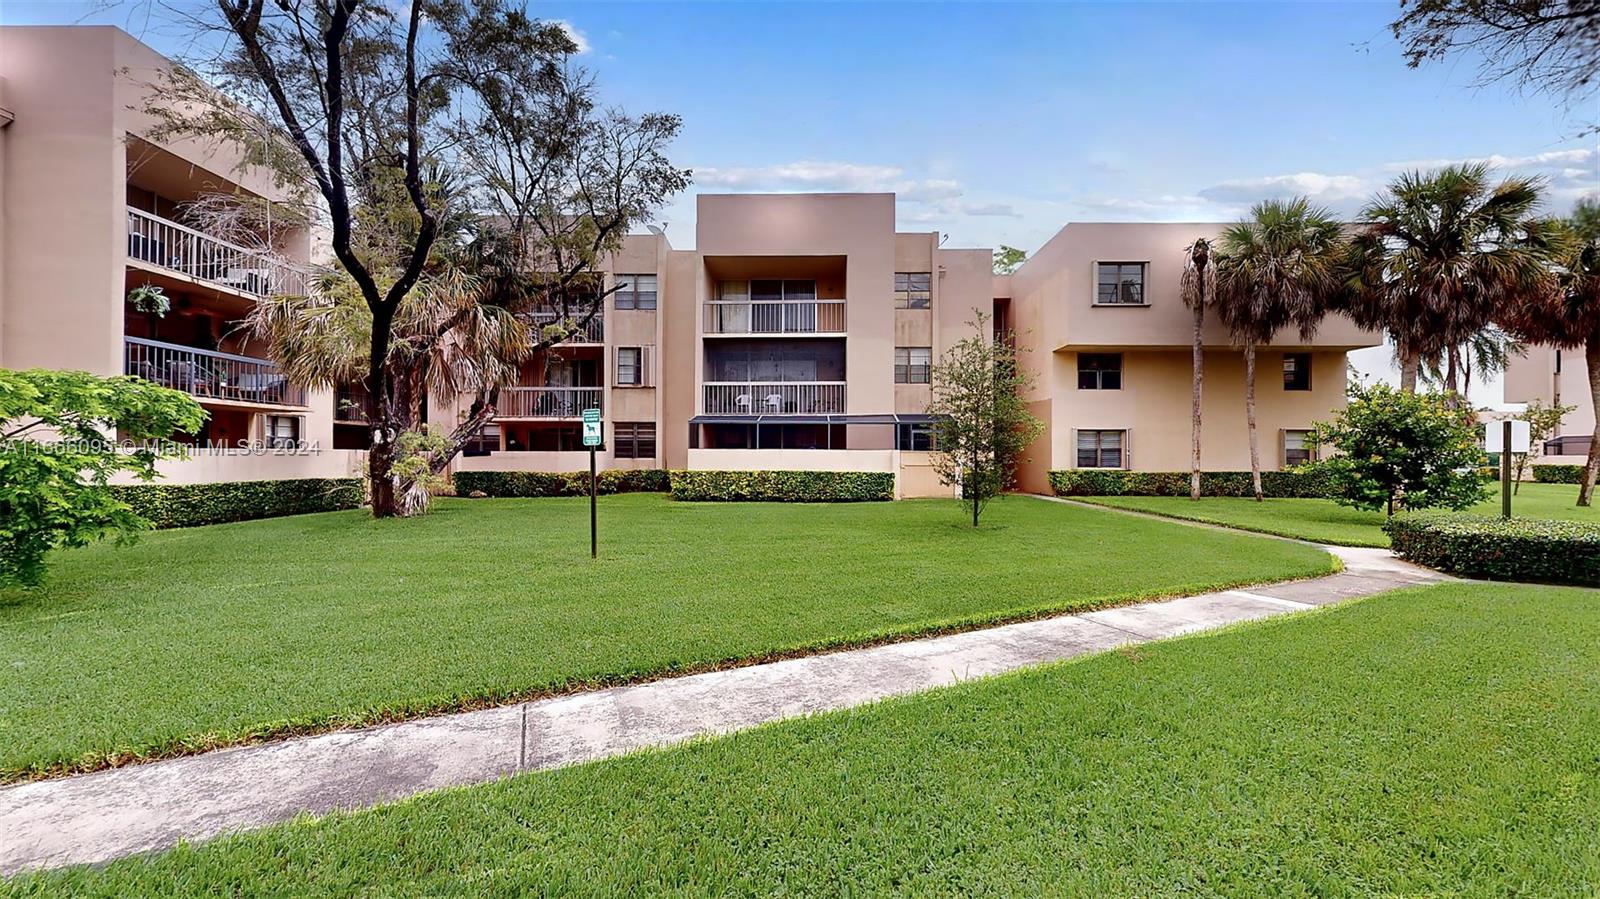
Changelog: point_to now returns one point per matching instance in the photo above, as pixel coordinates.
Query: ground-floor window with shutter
(634, 440)
(1102, 449)
(282, 431)
(1298, 448)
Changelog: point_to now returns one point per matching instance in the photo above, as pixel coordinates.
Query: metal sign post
(1513, 436)
(592, 430)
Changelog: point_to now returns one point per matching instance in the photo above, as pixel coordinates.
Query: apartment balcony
(774, 398)
(779, 317)
(547, 402)
(172, 247)
(593, 331)
(208, 375)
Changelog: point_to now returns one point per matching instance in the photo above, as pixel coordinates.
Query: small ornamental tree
(984, 425)
(59, 433)
(1396, 448)
(1543, 422)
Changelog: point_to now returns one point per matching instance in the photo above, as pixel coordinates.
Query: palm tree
(1567, 314)
(1280, 266)
(1484, 355)
(1199, 287)
(1439, 255)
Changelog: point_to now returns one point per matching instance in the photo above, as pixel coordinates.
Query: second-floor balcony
(178, 248)
(547, 402)
(774, 398)
(745, 317)
(592, 331)
(206, 374)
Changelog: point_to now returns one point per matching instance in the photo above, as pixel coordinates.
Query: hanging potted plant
(150, 300)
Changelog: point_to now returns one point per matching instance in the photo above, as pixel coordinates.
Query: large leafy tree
(1199, 287)
(1437, 257)
(1545, 45)
(62, 437)
(984, 425)
(1397, 448)
(1280, 267)
(397, 123)
(1567, 315)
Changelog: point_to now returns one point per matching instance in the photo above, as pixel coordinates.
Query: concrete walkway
(108, 814)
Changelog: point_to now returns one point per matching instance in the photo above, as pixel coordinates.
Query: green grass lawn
(200, 637)
(1436, 741)
(1327, 522)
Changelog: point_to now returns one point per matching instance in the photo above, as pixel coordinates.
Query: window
(915, 437)
(486, 442)
(1297, 448)
(636, 291)
(630, 366)
(913, 364)
(634, 440)
(1099, 371)
(282, 431)
(1296, 371)
(1101, 449)
(1120, 284)
(913, 290)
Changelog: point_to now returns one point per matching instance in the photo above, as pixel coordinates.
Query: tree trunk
(1250, 416)
(1591, 355)
(381, 452)
(380, 483)
(1408, 372)
(1452, 375)
(1194, 405)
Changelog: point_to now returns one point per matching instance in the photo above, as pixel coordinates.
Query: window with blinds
(1102, 449)
(636, 292)
(633, 367)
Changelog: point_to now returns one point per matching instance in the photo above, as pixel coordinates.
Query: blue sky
(999, 122)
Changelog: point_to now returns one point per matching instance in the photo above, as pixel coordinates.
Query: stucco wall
(792, 460)
(1533, 376)
(1154, 406)
(209, 466)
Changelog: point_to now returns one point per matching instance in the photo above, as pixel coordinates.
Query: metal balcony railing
(775, 317)
(182, 249)
(210, 375)
(774, 398)
(593, 331)
(547, 402)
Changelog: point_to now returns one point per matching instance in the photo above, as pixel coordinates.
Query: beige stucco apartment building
(799, 332)
(1556, 377)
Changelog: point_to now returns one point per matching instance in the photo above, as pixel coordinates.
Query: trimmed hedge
(1558, 474)
(569, 483)
(1566, 552)
(1302, 483)
(191, 505)
(783, 486)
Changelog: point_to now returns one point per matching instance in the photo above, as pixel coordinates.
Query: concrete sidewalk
(108, 814)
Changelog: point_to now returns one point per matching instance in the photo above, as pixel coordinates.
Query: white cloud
(815, 175)
(578, 37)
(1321, 188)
(1550, 159)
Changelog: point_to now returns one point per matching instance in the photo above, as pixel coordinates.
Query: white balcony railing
(182, 249)
(547, 402)
(774, 317)
(593, 331)
(210, 375)
(774, 398)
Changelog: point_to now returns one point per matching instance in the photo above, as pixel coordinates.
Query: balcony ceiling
(738, 268)
(160, 171)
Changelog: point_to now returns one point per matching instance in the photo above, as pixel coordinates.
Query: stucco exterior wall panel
(1154, 406)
